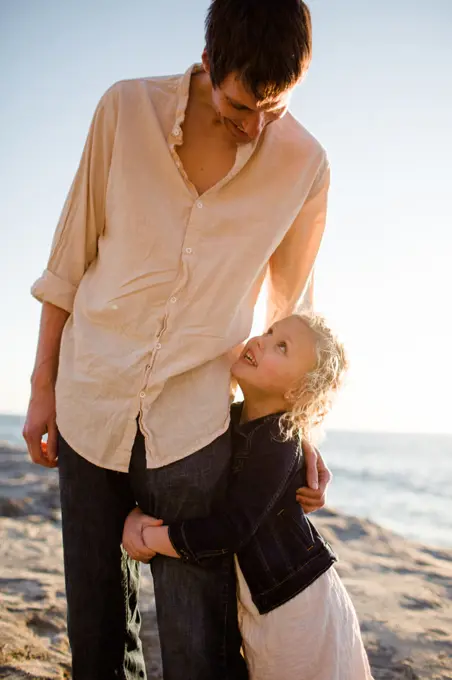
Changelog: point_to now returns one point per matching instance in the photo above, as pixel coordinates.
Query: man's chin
(239, 136)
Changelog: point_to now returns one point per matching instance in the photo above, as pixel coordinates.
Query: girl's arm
(157, 539)
(254, 490)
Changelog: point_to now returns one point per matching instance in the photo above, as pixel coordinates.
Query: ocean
(401, 481)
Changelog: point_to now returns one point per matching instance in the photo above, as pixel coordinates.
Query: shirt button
(142, 395)
(176, 131)
(158, 346)
(199, 204)
(188, 251)
(173, 300)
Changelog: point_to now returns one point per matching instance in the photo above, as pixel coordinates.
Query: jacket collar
(250, 425)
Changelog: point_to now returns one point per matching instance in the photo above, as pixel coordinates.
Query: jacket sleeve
(291, 266)
(82, 220)
(252, 494)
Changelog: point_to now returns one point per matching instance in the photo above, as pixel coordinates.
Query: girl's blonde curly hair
(311, 398)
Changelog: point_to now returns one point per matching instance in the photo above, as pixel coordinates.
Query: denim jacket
(279, 550)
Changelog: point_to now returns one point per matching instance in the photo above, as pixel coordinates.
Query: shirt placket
(194, 228)
(187, 262)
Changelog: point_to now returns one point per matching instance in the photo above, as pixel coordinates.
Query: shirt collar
(183, 90)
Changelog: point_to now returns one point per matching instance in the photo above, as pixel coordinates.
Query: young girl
(295, 616)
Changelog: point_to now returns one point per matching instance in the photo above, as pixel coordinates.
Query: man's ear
(205, 61)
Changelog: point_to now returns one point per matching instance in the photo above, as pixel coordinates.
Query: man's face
(241, 113)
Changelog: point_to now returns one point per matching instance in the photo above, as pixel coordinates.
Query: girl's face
(275, 362)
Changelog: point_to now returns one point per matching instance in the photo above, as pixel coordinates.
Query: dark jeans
(196, 608)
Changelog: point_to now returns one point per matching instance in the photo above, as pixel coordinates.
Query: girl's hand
(132, 536)
(309, 497)
(156, 538)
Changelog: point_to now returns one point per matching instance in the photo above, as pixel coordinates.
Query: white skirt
(314, 636)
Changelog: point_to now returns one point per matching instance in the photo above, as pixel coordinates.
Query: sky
(379, 98)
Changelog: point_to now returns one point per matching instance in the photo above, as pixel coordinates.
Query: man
(190, 190)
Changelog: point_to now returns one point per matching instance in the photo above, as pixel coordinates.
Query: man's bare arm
(41, 417)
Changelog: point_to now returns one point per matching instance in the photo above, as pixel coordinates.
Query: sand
(402, 590)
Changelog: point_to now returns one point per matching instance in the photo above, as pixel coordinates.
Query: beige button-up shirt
(160, 282)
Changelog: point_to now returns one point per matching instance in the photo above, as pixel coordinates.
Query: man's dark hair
(267, 42)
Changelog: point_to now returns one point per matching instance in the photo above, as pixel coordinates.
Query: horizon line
(344, 430)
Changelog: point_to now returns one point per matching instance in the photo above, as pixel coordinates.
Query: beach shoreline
(401, 589)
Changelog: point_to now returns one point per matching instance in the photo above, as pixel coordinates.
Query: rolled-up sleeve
(82, 220)
(291, 265)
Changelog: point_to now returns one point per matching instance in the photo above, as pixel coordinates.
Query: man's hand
(132, 536)
(318, 476)
(41, 420)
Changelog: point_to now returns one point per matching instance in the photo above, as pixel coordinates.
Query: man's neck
(201, 89)
(201, 96)
(201, 101)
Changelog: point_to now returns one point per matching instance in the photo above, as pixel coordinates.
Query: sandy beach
(402, 590)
